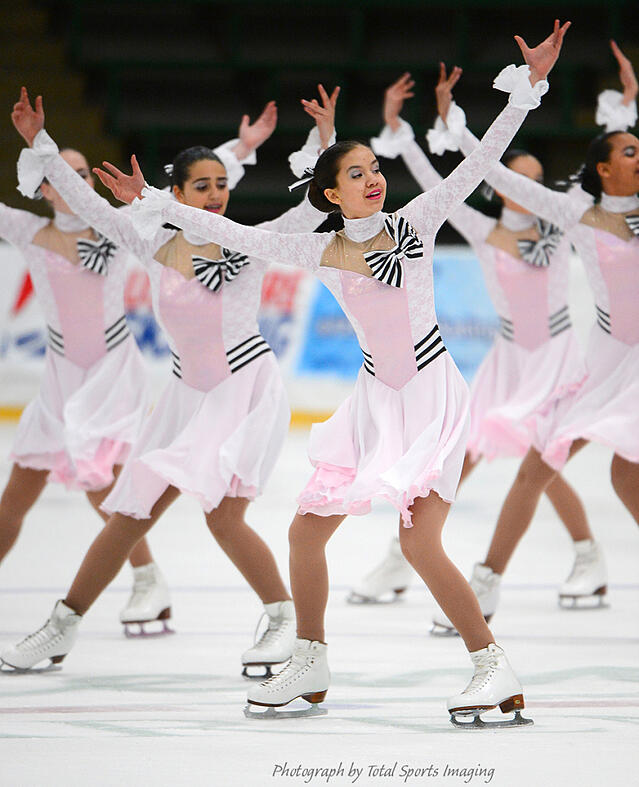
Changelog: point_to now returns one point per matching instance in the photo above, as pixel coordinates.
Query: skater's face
(620, 174)
(80, 165)
(360, 188)
(206, 187)
(531, 168)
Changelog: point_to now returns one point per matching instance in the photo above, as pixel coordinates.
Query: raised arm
(618, 111)
(559, 208)
(304, 217)
(302, 250)
(44, 160)
(397, 138)
(525, 85)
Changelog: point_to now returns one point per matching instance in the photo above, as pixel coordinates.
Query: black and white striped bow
(633, 222)
(387, 265)
(538, 252)
(95, 255)
(213, 272)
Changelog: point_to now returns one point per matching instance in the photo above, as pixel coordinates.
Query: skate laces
(485, 666)
(583, 562)
(271, 633)
(296, 664)
(39, 637)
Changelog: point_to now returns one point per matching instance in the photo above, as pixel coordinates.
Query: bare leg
(468, 467)
(21, 492)
(109, 551)
(625, 481)
(423, 548)
(140, 554)
(247, 551)
(308, 536)
(518, 509)
(569, 508)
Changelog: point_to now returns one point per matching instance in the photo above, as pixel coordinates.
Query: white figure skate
(587, 584)
(53, 641)
(306, 675)
(387, 581)
(485, 585)
(494, 683)
(275, 646)
(149, 602)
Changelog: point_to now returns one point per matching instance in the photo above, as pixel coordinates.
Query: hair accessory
(309, 174)
(168, 168)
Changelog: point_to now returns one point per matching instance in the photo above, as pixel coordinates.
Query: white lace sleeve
(564, 209)
(302, 250)
(19, 226)
(85, 202)
(472, 225)
(428, 211)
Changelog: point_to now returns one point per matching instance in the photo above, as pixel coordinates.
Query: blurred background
(153, 77)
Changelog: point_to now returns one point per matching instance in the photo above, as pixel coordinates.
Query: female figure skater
(219, 425)
(401, 436)
(601, 218)
(79, 429)
(535, 359)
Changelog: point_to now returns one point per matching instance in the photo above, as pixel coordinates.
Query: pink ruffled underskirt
(81, 424)
(604, 410)
(208, 444)
(392, 445)
(516, 390)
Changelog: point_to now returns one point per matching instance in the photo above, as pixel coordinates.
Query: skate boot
(485, 585)
(387, 581)
(494, 683)
(276, 643)
(306, 675)
(53, 641)
(149, 602)
(586, 586)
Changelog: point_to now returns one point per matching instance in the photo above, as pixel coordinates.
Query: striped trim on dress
(426, 350)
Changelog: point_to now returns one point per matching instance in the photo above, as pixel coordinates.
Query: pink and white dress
(535, 359)
(220, 423)
(403, 431)
(79, 426)
(605, 408)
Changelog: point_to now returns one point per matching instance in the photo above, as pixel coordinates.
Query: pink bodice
(525, 288)
(619, 267)
(192, 315)
(382, 314)
(79, 295)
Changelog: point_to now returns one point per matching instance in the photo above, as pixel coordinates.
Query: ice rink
(169, 711)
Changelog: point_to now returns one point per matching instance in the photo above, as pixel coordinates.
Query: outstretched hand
(323, 114)
(124, 187)
(252, 135)
(627, 75)
(27, 120)
(543, 57)
(394, 97)
(444, 89)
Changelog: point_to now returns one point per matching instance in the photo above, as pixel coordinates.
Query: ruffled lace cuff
(447, 136)
(147, 213)
(391, 143)
(234, 167)
(613, 113)
(306, 157)
(516, 81)
(31, 164)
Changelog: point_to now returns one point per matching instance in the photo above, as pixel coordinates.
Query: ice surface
(169, 711)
